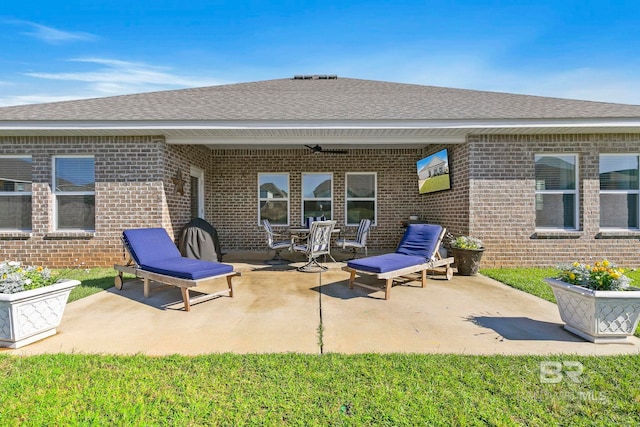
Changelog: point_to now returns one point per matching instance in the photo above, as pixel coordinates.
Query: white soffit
(399, 133)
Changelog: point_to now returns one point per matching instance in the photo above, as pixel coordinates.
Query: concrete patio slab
(277, 309)
(467, 315)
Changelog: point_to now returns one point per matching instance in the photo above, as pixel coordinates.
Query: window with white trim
(317, 195)
(273, 196)
(74, 192)
(15, 192)
(619, 191)
(360, 197)
(556, 179)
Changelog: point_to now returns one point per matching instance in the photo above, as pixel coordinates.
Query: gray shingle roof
(319, 99)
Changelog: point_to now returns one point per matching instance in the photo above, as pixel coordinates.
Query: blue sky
(59, 50)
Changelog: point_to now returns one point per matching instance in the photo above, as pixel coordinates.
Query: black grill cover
(199, 240)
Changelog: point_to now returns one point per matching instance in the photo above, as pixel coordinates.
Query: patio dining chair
(318, 243)
(276, 245)
(360, 241)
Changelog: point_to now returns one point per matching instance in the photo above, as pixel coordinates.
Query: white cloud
(124, 73)
(7, 101)
(53, 35)
(116, 77)
(109, 77)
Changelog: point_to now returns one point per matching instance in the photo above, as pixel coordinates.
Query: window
(556, 191)
(360, 198)
(273, 195)
(317, 195)
(74, 192)
(619, 188)
(15, 193)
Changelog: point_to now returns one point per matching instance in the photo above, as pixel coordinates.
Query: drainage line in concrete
(320, 326)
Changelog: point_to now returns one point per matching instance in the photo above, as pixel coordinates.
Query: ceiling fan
(318, 149)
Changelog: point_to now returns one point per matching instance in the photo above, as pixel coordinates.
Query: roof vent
(315, 77)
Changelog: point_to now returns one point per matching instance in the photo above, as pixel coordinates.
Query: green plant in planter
(602, 276)
(14, 277)
(466, 242)
(467, 252)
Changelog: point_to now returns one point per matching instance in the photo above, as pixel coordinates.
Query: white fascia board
(291, 140)
(346, 124)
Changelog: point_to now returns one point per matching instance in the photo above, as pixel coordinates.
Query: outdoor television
(433, 172)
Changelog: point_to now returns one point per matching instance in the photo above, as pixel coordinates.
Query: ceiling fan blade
(335, 151)
(318, 149)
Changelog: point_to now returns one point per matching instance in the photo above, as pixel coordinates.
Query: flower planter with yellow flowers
(596, 303)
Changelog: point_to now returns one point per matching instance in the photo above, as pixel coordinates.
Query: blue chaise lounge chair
(417, 252)
(155, 257)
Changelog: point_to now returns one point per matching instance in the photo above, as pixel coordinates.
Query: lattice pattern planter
(597, 316)
(29, 316)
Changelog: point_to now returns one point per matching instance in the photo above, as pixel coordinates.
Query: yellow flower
(572, 276)
(576, 264)
(605, 263)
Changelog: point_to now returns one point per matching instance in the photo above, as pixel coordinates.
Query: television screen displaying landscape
(433, 173)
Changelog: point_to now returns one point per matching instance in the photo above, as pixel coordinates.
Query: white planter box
(597, 316)
(29, 316)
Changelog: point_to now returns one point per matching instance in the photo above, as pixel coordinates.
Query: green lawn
(92, 281)
(303, 390)
(313, 390)
(436, 183)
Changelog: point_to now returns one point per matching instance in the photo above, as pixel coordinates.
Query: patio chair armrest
(295, 239)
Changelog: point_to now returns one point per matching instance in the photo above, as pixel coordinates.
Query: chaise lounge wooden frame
(185, 285)
(434, 264)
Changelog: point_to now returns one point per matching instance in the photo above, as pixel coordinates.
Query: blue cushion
(153, 250)
(187, 268)
(147, 245)
(385, 263)
(420, 240)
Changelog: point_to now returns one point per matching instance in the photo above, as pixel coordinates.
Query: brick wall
(233, 205)
(128, 192)
(502, 201)
(178, 159)
(492, 195)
